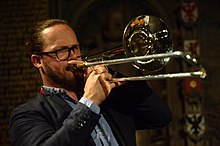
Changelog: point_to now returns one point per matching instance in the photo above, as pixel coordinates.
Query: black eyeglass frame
(71, 48)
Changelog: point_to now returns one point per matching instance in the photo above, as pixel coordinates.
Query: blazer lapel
(60, 101)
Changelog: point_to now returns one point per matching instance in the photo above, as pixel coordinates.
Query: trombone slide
(176, 54)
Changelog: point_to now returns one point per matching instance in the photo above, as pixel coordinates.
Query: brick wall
(18, 80)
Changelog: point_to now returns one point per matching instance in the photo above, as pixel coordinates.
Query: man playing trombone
(80, 108)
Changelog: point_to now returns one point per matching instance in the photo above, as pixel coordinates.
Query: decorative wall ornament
(193, 90)
(192, 47)
(189, 13)
(195, 126)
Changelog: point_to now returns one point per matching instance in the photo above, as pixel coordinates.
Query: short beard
(76, 83)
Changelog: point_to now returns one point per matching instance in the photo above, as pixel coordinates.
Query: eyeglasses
(63, 53)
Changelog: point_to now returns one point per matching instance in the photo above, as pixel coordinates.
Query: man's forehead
(53, 30)
(59, 34)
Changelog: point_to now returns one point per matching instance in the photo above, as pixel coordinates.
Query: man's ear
(36, 60)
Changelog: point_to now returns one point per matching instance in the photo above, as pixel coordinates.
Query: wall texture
(19, 81)
(209, 34)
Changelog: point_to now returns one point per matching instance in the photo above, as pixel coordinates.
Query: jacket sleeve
(145, 106)
(30, 128)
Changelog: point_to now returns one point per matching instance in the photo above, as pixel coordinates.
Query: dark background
(100, 25)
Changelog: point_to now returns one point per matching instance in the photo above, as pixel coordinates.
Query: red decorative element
(41, 91)
(193, 90)
(193, 86)
(189, 12)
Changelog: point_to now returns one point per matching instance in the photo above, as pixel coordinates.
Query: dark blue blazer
(48, 120)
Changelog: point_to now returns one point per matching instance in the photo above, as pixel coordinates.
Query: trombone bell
(147, 35)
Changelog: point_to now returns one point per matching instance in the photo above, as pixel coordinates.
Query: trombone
(147, 44)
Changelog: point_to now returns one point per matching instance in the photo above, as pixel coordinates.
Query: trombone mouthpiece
(80, 65)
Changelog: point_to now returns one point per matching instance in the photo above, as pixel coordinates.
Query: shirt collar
(58, 91)
(54, 90)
